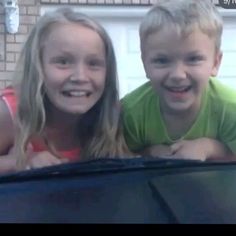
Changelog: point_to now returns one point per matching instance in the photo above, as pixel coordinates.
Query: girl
(64, 106)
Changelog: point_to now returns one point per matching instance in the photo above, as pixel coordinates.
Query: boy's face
(179, 67)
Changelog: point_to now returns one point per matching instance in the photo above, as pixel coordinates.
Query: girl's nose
(79, 74)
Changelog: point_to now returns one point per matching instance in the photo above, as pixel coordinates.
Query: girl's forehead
(73, 39)
(70, 27)
(71, 33)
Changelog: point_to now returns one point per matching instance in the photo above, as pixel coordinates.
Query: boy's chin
(180, 107)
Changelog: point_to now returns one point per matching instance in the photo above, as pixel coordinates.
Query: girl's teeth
(76, 93)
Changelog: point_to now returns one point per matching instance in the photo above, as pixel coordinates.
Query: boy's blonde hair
(99, 130)
(184, 16)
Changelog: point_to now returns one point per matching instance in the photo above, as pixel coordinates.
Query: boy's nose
(179, 71)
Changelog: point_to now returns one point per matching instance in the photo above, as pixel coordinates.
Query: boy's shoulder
(221, 92)
(138, 97)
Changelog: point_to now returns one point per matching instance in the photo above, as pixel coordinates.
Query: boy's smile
(179, 67)
(177, 92)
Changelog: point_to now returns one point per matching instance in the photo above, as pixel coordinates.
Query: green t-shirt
(144, 126)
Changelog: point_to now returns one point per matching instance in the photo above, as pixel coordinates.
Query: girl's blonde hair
(99, 130)
(184, 16)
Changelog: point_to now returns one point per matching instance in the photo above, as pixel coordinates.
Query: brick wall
(98, 2)
(11, 44)
(105, 2)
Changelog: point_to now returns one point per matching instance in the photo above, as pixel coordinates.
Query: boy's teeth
(179, 89)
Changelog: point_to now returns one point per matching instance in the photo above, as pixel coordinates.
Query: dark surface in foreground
(122, 191)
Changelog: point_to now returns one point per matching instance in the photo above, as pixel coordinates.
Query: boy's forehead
(172, 33)
(172, 40)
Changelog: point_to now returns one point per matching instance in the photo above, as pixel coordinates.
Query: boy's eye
(195, 59)
(161, 60)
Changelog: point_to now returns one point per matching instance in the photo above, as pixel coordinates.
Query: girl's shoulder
(8, 91)
(9, 98)
(6, 121)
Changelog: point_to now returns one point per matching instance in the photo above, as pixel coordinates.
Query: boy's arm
(198, 149)
(218, 150)
(156, 151)
(202, 149)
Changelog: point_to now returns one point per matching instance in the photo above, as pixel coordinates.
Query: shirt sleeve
(227, 129)
(132, 130)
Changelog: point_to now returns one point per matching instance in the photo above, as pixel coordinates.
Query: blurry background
(121, 18)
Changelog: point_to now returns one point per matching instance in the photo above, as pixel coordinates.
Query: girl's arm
(7, 160)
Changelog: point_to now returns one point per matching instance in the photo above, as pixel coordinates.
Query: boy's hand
(190, 149)
(200, 149)
(157, 151)
(43, 159)
(197, 149)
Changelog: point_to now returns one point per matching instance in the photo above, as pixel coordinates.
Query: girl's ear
(217, 62)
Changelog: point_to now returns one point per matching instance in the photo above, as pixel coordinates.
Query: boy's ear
(217, 62)
(144, 65)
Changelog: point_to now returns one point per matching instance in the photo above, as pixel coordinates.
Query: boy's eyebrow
(194, 52)
(161, 53)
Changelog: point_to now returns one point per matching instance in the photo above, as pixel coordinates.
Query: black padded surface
(130, 191)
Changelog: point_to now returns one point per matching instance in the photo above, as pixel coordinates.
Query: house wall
(11, 44)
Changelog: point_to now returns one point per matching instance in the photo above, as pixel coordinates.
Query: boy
(182, 110)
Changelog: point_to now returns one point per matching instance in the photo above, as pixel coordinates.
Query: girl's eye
(96, 63)
(62, 61)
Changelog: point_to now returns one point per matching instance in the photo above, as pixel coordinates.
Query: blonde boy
(182, 110)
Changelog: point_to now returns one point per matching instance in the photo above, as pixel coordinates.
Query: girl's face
(74, 65)
(179, 68)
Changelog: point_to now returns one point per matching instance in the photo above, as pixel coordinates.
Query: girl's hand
(43, 159)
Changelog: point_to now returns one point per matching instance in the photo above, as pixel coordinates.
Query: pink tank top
(9, 97)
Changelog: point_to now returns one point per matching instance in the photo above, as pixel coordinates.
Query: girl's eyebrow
(96, 55)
